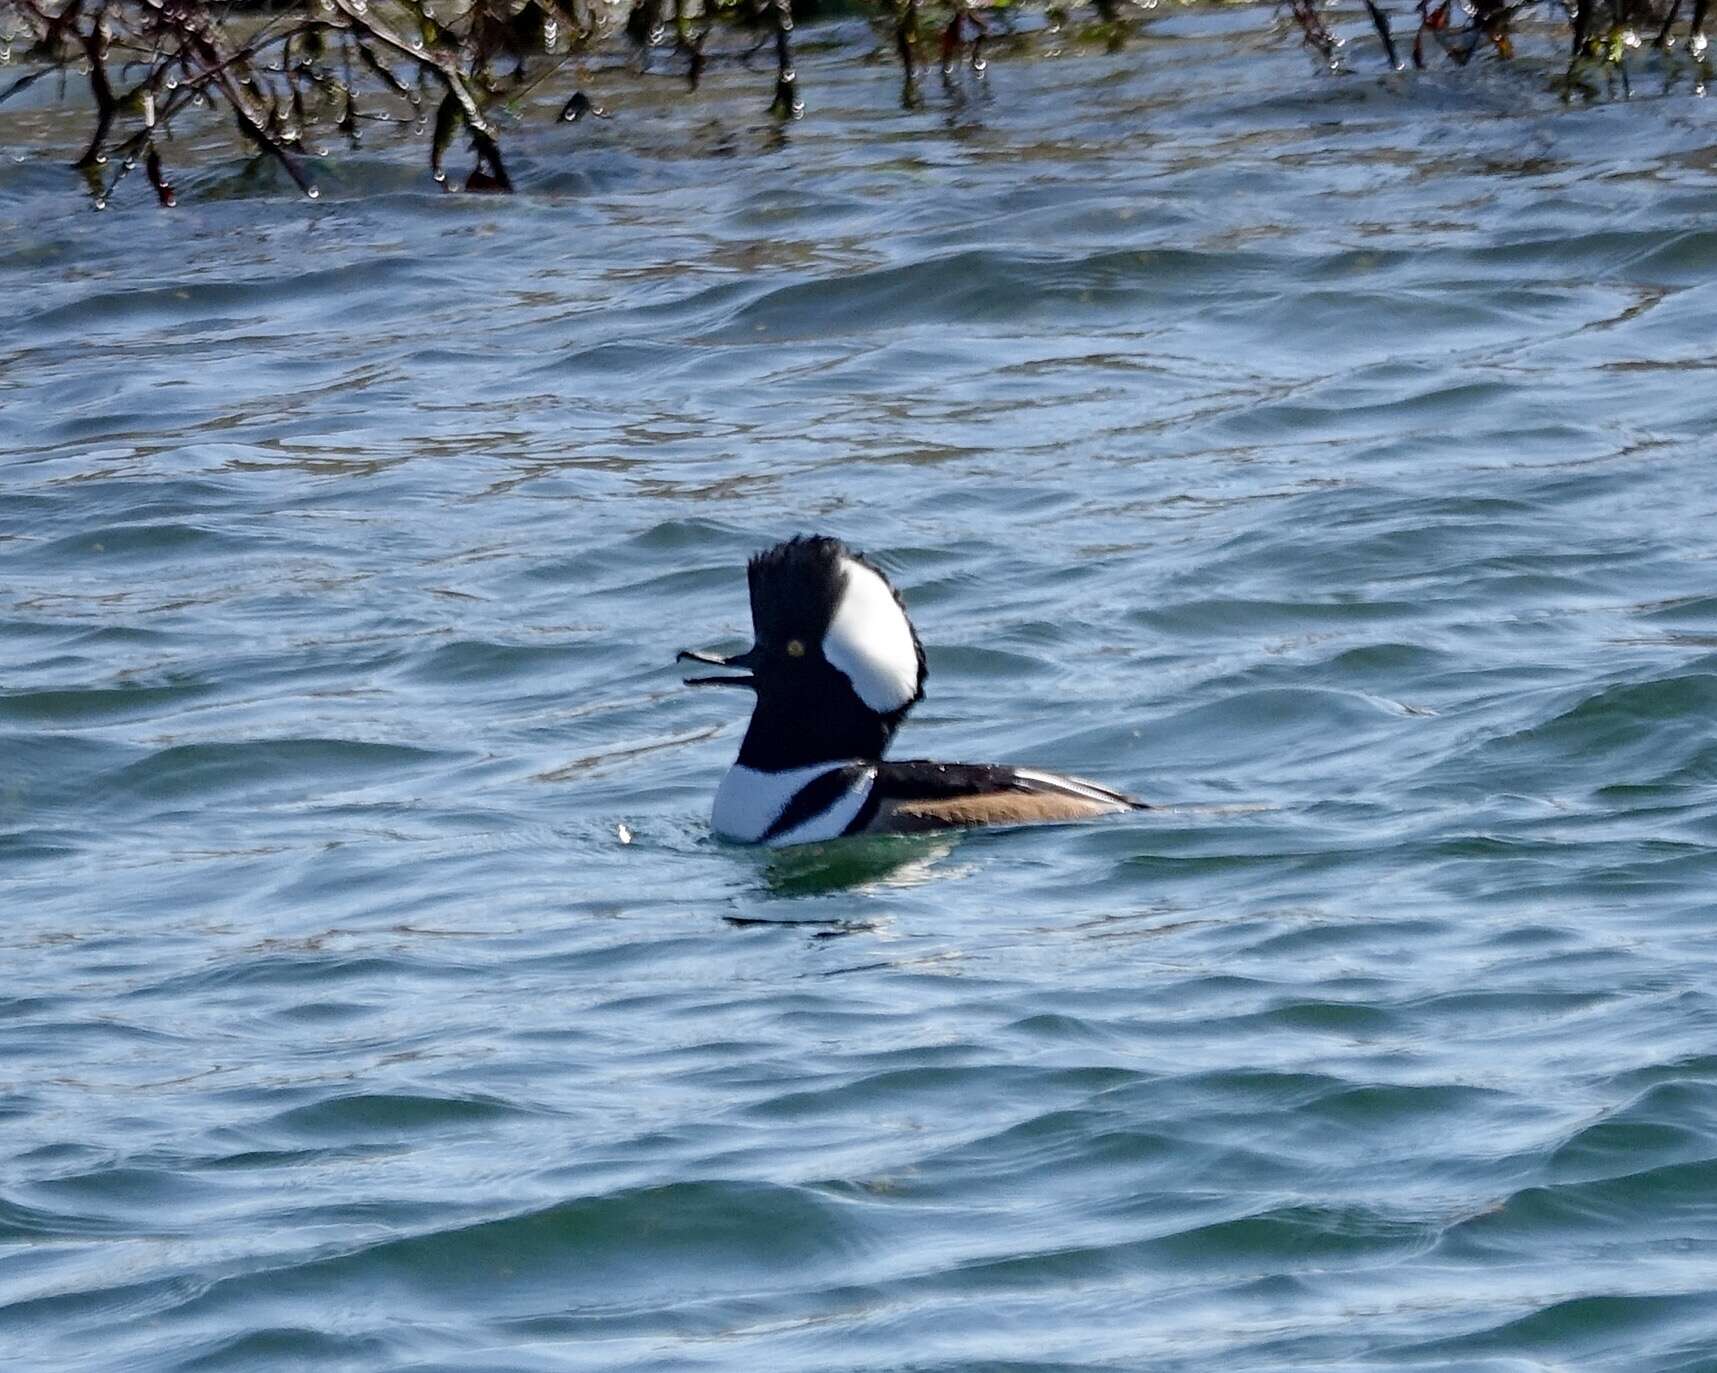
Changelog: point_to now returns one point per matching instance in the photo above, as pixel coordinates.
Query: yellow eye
(795, 649)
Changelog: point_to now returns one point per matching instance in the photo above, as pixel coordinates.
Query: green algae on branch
(287, 71)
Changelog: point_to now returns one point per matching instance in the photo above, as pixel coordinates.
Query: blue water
(1328, 460)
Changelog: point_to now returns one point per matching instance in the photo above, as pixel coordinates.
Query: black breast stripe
(812, 799)
(867, 812)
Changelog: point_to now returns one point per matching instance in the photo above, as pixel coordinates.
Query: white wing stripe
(1074, 786)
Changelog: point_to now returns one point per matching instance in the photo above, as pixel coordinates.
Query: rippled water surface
(1327, 460)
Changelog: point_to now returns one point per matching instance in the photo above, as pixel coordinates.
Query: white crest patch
(870, 641)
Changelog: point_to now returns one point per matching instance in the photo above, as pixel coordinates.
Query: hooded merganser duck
(836, 667)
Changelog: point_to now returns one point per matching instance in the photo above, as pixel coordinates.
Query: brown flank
(993, 808)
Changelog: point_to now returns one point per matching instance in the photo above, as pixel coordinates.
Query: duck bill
(739, 660)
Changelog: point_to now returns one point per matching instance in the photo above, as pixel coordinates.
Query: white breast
(748, 802)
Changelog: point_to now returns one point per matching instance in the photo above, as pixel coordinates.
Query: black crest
(795, 587)
(807, 709)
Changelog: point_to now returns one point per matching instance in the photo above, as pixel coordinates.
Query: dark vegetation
(294, 73)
